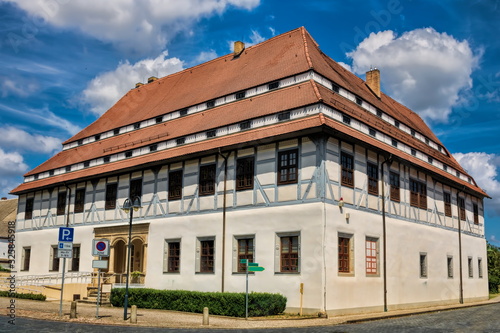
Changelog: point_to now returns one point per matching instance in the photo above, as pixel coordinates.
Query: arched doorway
(137, 258)
(120, 255)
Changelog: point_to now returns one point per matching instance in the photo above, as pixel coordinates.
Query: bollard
(205, 316)
(133, 314)
(72, 313)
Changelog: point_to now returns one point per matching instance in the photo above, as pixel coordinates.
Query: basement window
(241, 94)
(283, 116)
(346, 120)
(273, 85)
(210, 104)
(180, 141)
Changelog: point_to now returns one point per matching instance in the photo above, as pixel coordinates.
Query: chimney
(4, 198)
(373, 81)
(152, 79)
(138, 84)
(238, 48)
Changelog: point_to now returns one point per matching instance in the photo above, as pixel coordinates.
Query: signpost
(250, 267)
(100, 248)
(64, 250)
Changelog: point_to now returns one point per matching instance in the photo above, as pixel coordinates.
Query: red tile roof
(283, 56)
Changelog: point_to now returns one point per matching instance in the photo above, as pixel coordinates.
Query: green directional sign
(255, 264)
(243, 261)
(255, 269)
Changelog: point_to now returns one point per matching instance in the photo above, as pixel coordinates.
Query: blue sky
(63, 63)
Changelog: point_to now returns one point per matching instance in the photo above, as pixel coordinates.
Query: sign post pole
(62, 288)
(65, 236)
(98, 290)
(246, 296)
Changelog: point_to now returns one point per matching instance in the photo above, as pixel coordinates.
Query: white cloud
(16, 138)
(11, 164)
(205, 56)
(138, 25)
(424, 69)
(483, 167)
(104, 90)
(346, 66)
(17, 87)
(254, 38)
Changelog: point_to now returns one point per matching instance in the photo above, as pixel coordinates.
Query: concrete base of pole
(133, 314)
(205, 316)
(72, 313)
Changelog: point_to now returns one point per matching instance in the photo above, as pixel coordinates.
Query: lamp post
(129, 206)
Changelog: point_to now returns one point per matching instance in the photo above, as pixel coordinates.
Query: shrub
(224, 304)
(36, 297)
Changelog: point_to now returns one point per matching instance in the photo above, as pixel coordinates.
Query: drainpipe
(224, 220)
(384, 236)
(461, 285)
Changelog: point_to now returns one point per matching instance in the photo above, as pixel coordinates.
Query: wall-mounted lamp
(341, 202)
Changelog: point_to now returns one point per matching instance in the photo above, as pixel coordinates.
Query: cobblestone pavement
(484, 318)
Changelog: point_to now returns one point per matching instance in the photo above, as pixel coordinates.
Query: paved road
(469, 320)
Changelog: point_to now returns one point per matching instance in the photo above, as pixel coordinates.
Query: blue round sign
(100, 246)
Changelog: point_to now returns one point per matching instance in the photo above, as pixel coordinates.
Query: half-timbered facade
(274, 154)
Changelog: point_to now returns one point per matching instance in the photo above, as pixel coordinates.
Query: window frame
(423, 266)
(111, 196)
(475, 210)
(28, 208)
(449, 266)
(372, 256)
(288, 258)
(461, 209)
(245, 173)
(347, 169)
(172, 257)
(26, 259)
(61, 203)
(175, 180)
(207, 260)
(418, 194)
(75, 259)
(54, 259)
(249, 252)
(79, 200)
(447, 204)
(395, 184)
(373, 178)
(206, 179)
(291, 170)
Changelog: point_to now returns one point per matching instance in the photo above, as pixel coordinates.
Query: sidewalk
(49, 310)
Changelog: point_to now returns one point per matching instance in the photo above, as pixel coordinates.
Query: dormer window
(273, 85)
(211, 104)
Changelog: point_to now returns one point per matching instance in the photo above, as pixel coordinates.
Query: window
(54, 260)
(36, 176)
(26, 259)
(175, 185)
(210, 104)
(423, 265)
(396, 123)
(346, 119)
(372, 131)
(372, 172)
(135, 188)
(345, 257)
(335, 88)
(395, 189)
(445, 167)
(480, 267)
(211, 134)
(61, 203)
(394, 142)
(207, 256)
(97, 137)
(180, 141)
(137, 125)
(347, 163)
(28, 210)
(68, 168)
(379, 113)
(106, 159)
(75, 259)
(449, 264)
(153, 147)
(116, 131)
(244, 173)
(283, 116)
(86, 164)
(457, 174)
(241, 94)
(79, 200)
(207, 179)
(245, 125)
(430, 159)
(245, 251)
(461, 208)
(475, 209)
(128, 154)
(159, 119)
(288, 166)
(273, 85)
(289, 254)
(418, 194)
(51, 172)
(470, 268)
(412, 132)
(80, 142)
(172, 257)
(359, 101)
(371, 256)
(426, 140)
(111, 192)
(413, 152)
(183, 112)
(447, 204)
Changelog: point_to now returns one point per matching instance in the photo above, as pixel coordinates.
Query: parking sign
(66, 234)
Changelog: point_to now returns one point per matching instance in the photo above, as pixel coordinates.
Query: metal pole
(246, 293)
(98, 290)
(384, 235)
(125, 302)
(62, 288)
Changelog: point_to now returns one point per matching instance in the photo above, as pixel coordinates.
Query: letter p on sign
(66, 234)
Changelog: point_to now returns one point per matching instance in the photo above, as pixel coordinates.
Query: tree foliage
(493, 268)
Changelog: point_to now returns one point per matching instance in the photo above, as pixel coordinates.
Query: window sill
(243, 273)
(287, 273)
(350, 274)
(372, 275)
(166, 272)
(204, 273)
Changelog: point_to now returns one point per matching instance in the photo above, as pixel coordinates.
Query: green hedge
(224, 304)
(36, 297)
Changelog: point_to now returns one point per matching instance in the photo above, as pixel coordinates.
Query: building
(8, 212)
(277, 154)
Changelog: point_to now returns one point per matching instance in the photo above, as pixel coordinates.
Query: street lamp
(129, 206)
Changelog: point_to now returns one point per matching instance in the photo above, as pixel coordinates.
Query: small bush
(224, 304)
(36, 297)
